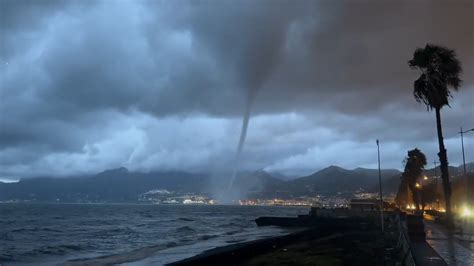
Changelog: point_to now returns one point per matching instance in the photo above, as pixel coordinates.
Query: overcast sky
(162, 85)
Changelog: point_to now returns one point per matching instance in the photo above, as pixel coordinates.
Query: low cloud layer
(155, 85)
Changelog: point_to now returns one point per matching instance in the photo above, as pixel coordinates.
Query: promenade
(453, 247)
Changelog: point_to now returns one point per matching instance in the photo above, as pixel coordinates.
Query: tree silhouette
(439, 72)
(402, 198)
(429, 194)
(414, 165)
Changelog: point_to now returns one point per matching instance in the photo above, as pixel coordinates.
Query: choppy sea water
(129, 234)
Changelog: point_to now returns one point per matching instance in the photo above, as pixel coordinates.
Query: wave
(36, 229)
(119, 231)
(6, 257)
(233, 232)
(186, 219)
(60, 249)
(126, 257)
(146, 214)
(184, 229)
(55, 250)
(231, 224)
(6, 237)
(207, 237)
(39, 252)
(232, 241)
(28, 236)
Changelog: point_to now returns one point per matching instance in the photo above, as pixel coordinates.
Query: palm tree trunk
(416, 197)
(443, 159)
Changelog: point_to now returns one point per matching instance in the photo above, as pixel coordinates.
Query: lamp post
(418, 196)
(380, 185)
(425, 178)
(462, 146)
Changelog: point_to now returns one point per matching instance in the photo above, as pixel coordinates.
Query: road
(454, 247)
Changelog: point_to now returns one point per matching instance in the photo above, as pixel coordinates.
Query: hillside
(118, 185)
(121, 185)
(335, 179)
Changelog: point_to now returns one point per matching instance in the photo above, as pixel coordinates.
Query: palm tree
(402, 198)
(414, 165)
(439, 72)
(429, 195)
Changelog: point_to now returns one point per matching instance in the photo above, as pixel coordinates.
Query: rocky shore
(352, 242)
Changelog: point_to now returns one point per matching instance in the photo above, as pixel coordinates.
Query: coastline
(244, 250)
(353, 242)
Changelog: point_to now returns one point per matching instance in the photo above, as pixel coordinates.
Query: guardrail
(403, 243)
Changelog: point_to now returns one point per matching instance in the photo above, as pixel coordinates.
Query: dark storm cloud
(158, 55)
(357, 62)
(71, 70)
(21, 20)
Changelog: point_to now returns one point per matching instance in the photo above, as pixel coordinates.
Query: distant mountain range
(121, 185)
(117, 185)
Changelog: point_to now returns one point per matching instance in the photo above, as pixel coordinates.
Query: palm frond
(440, 71)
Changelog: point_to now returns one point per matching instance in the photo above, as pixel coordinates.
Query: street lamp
(425, 178)
(420, 195)
(462, 146)
(380, 185)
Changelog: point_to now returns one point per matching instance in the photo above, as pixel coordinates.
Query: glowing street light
(417, 185)
(466, 212)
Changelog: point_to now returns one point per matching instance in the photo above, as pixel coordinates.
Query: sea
(126, 234)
